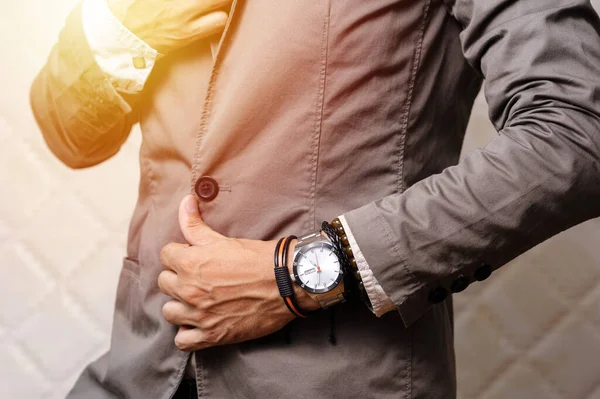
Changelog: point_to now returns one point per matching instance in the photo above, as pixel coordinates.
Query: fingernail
(190, 204)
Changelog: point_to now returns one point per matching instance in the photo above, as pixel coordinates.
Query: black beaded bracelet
(352, 266)
(282, 276)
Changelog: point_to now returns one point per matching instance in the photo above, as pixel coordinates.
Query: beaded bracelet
(353, 266)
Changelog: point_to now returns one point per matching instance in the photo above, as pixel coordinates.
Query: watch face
(317, 268)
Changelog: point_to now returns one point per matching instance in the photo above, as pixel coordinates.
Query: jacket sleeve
(541, 175)
(83, 119)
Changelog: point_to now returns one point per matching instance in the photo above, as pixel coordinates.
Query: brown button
(207, 188)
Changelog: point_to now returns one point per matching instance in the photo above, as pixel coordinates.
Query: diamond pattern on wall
(103, 264)
(19, 376)
(58, 348)
(25, 283)
(26, 183)
(63, 214)
(532, 330)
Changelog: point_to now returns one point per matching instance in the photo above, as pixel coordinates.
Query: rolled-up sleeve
(82, 117)
(124, 57)
(541, 175)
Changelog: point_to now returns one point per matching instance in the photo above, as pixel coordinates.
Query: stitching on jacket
(196, 159)
(409, 93)
(208, 99)
(409, 365)
(179, 377)
(392, 244)
(319, 113)
(203, 122)
(150, 176)
(199, 376)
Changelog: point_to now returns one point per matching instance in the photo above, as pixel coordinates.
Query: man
(310, 111)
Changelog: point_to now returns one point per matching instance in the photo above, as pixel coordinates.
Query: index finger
(171, 254)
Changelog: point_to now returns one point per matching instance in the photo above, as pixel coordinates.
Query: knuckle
(203, 305)
(186, 263)
(211, 336)
(189, 294)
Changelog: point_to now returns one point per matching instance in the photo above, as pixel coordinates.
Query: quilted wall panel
(530, 331)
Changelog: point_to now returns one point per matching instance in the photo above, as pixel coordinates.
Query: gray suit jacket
(314, 109)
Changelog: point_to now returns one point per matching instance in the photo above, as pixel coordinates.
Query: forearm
(539, 177)
(83, 119)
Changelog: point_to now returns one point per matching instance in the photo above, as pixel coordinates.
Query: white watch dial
(317, 268)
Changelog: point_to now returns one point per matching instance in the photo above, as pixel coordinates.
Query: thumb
(194, 229)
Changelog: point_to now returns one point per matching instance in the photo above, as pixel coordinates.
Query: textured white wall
(530, 331)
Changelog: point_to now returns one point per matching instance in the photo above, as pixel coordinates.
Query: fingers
(179, 313)
(173, 255)
(190, 339)
(167, 283)
(207, 25)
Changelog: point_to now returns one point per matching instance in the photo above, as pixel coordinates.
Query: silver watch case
(305, 244)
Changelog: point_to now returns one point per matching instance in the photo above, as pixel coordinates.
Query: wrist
(302, 298)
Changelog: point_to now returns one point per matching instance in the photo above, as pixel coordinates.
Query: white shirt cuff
(125, 58)
(379, 299)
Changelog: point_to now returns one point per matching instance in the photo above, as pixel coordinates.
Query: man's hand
(167, 25)
(223, 289)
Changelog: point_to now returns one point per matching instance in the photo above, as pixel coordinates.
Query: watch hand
(318, 267)
(318, 270)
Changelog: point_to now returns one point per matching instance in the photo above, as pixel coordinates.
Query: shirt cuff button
(139, 62)
(460, 284)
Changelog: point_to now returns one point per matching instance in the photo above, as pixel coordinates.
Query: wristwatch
(318, 270)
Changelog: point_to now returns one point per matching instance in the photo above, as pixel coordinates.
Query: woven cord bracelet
(282, 276)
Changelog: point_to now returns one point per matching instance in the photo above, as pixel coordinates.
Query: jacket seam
(150, 177)
(319, 114)
(409, 365)
(199, 376)
(401, 259)
(203, 122)
(200, 385)
(418, 285)
(416, 60)
(179, 377)
(208, 99)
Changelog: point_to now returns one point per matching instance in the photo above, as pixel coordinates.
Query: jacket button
(460, 284)
(437, 295)
(482, 272)
(207, 188)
